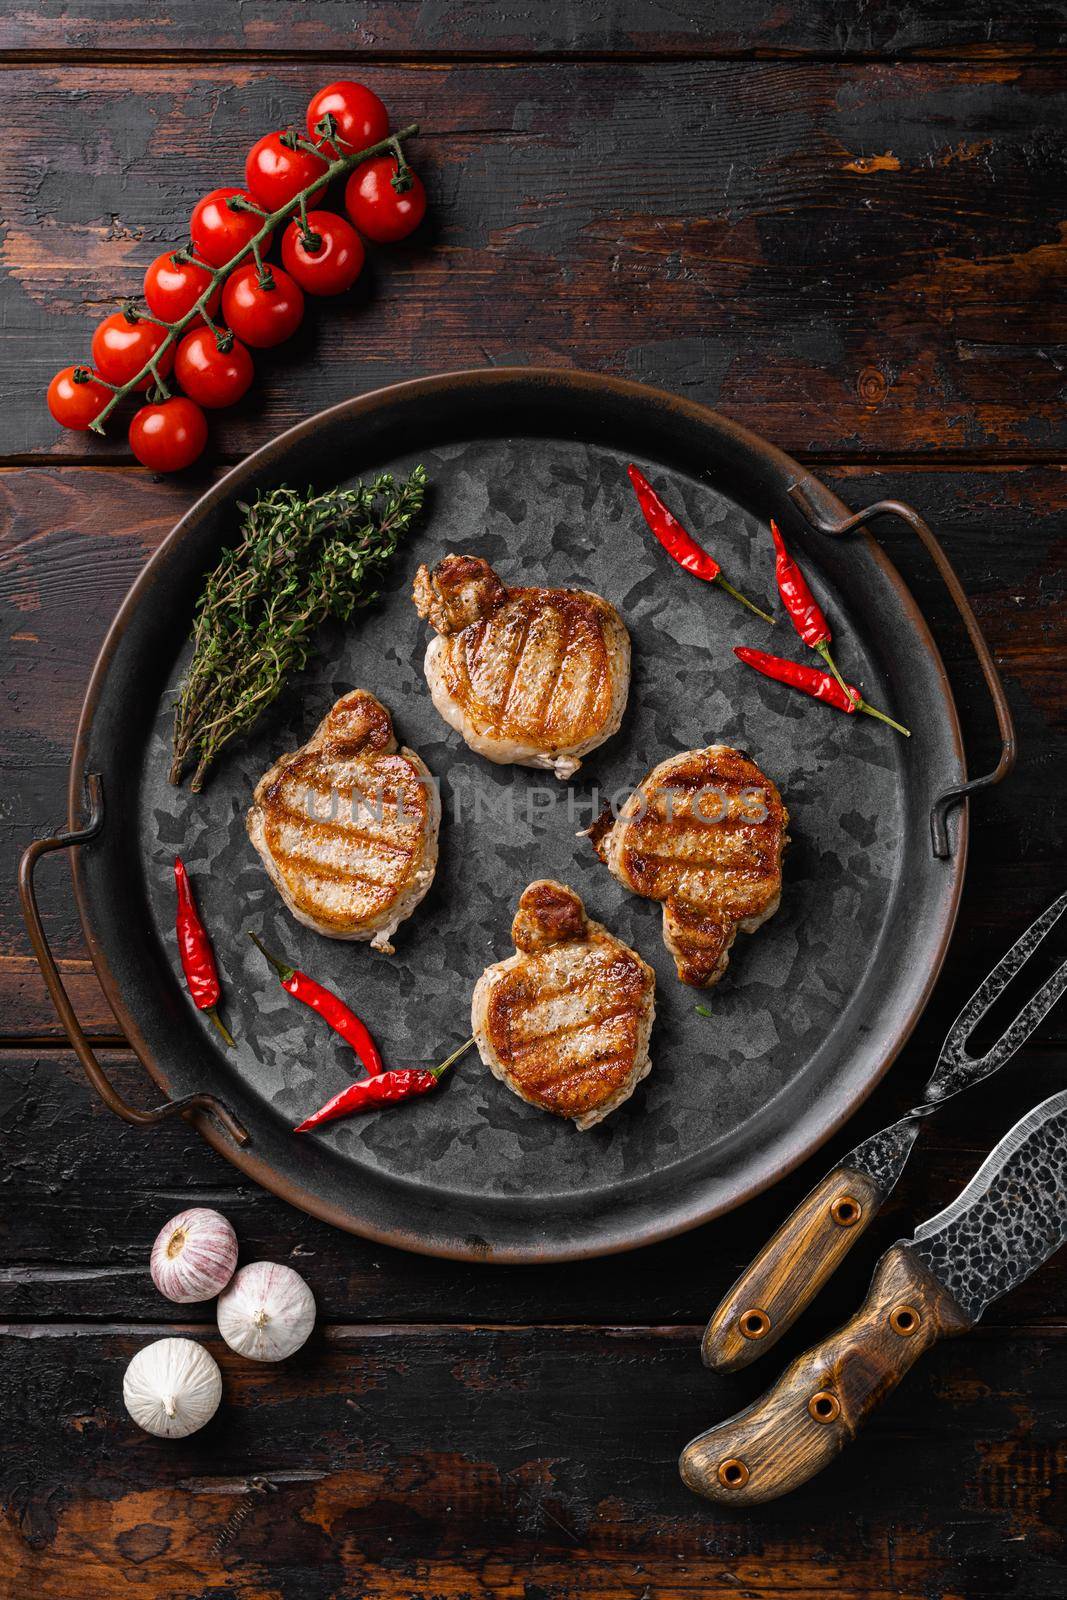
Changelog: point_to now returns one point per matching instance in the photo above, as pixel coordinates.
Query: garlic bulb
(194, 1256)
(267, 1312)
(172, 1387)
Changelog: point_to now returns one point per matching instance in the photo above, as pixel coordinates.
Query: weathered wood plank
(844, 257)
(468, 1462)
(360, 28)
(75, 538)
(83, 1197)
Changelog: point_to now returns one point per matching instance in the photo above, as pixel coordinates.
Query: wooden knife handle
(819, 1402)
(788, 1273)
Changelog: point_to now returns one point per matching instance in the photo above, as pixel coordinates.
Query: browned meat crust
(347, 825)
(565, 1022)
(535, 676)
(704, 834)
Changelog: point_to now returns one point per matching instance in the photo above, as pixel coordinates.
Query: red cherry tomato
(73, 403)
(172, 288)
(376, 208)
(361, 118)
(262, 317)
(275, 174)
(337, 262)
(168, 436)
(218, 233)
(121, 348)
(210, 376)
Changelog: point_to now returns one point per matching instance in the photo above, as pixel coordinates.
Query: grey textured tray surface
(553, 512)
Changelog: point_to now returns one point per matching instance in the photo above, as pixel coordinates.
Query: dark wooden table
(843, 226)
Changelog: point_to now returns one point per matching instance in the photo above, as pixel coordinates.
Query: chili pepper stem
(745, 601)
(209, 1011)
(823, 647)
(284, 971)
(871, 712)
(439, 1072)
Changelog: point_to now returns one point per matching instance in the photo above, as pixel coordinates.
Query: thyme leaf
(301, 558)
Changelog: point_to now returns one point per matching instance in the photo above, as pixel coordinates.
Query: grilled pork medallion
(533, 676)
(565, 1021)
(703, 833)
(347, 825)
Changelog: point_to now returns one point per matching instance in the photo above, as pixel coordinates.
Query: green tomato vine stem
(392, 145)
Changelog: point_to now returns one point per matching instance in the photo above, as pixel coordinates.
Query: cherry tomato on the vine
(275, 174)
(361, 118)
(337, 259)
(172, 287)
(169, 435)
(376, 208)
(210, 376)
(121, 348)
(262, 317)
(218, 233)
(76, 398)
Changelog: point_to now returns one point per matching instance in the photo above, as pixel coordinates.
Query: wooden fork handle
(819, 1402)
(790, 1270)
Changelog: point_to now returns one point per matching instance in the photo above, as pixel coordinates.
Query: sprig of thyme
(301, 558)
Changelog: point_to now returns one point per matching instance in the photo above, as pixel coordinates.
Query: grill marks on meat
(533, 676)
(703, 834)
(565, 1022)
(347, 825)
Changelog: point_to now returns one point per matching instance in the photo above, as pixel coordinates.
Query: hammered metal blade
(883, 1156)
(1010, 1217)
(956, 1069)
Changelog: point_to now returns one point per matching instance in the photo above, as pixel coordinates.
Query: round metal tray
(527, 469)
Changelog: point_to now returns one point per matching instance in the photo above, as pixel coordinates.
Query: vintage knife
(791, 1269)
(1007, 1221)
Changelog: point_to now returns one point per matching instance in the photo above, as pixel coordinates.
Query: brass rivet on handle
(824, 1406)
(846, 1211)
(904, 1320)
(733, 1474)
(754, 1323)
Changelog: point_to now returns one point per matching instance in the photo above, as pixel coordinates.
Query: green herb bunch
(300, 559)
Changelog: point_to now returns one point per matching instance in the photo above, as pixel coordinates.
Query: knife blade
(793, 1266)
(1007, 1221)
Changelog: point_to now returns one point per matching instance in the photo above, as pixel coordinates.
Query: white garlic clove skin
(267, 1312)
(172, 1388)
(194, 1256)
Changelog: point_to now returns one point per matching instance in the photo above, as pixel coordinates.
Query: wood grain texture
(859, 259)
(826, 1395)
(362, 28)
(843, 257)
(468, 1462)
(82, 1197)
(787, 1273)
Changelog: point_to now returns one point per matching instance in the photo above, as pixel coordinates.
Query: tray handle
(898, 508)
(62, 1002)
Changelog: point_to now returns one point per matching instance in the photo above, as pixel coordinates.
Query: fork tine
(1033, 1012)
(1001, 975)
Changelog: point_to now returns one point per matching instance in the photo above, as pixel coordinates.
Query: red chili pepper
(329, 1007)
(406, 1083)
(799, 601)
(819, 685)
(194, 946)
(680, 545)
(801, 604)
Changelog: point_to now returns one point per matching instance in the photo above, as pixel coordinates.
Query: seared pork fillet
(565, 1021)
(538, 677)
(347, 825)
(704, 833)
